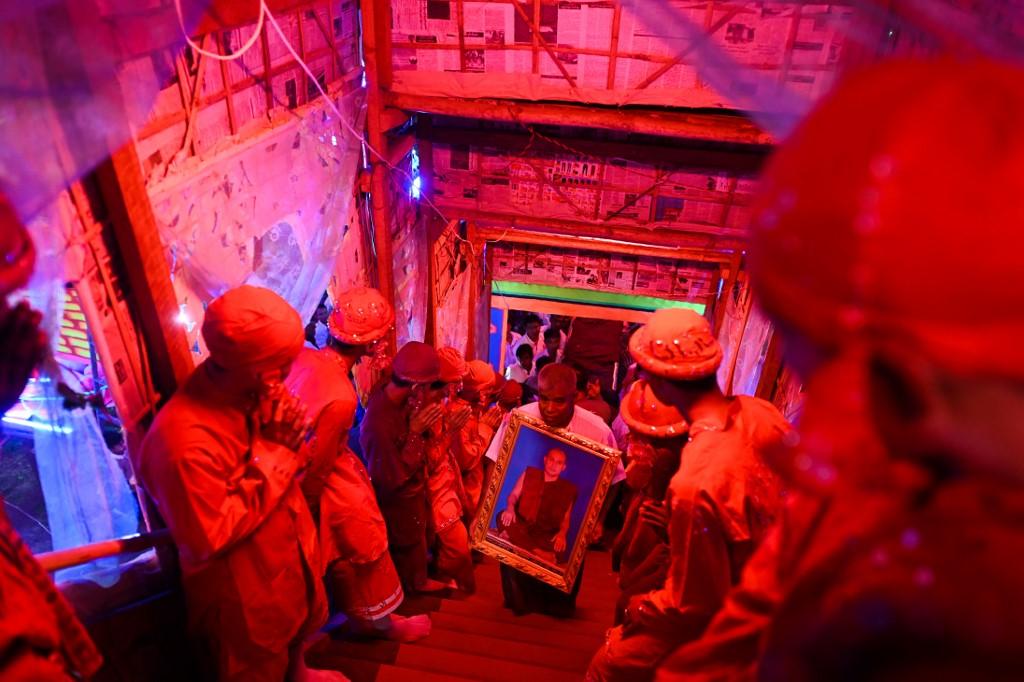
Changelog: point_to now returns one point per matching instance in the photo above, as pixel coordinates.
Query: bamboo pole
(373, 26)
(685, 125)
(83, 554)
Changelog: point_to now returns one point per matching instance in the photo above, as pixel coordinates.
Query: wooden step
(549, 655)
(588, 642)
(489, 611)
(478, 667)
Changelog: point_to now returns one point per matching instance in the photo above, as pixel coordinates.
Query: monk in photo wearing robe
(722, 500)
(220, 461)
(41, 639)
(401, 419)
(537, 514)
(353, 536)
(557, 408)
(899, 555)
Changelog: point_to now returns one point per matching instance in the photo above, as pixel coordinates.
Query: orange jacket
(242, 527)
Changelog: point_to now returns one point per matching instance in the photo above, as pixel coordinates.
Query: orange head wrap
(480, 376)
(453, 365)
(253, 329)
(17, 255)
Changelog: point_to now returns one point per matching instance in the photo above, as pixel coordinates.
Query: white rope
(215, 55)
(356, 134)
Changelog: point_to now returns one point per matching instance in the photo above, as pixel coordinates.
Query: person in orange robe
(538, 510)
(401, 421)
(721, 501)
(448, 501)
(353, 536)
(220, 462)
(41, 639)
(899, 556)
(471, 441)
(656, 438)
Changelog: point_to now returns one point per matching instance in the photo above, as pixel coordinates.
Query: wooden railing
(75, 556)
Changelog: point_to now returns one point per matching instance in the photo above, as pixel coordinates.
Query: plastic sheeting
(273, 211)
(75, 75)
(87, 495)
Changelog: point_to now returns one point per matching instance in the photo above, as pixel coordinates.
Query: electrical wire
(215, 55)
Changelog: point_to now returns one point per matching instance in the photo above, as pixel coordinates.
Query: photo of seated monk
(536, 517)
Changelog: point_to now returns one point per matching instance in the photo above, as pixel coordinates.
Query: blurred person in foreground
(221, 462)
(41, 639)
(880, 249)
(720, 503)
(353, 536)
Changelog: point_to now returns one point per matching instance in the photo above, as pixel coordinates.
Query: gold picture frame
(592, 464)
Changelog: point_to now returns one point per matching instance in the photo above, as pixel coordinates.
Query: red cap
(417, 363)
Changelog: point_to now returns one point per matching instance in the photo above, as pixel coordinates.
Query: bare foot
(431, 585)
(305, 674)
(298, 671)
(408, 629)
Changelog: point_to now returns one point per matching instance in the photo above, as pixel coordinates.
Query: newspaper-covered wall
(410, 253)
(601, 51)
(597, 271)
(581, 187)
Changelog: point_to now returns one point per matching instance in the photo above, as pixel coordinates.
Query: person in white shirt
(522, 369)
(556, 408)
(533, 336)
(553, 343)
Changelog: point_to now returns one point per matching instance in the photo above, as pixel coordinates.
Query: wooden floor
(476, 638)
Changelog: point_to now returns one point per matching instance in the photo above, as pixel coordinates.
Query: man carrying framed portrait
(554, 462)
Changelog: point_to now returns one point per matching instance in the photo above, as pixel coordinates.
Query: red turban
(893, 215)
(252, 328)
(17, 255)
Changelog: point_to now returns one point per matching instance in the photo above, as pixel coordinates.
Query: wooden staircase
(476, 638)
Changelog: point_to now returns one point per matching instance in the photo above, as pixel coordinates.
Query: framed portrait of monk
(543, 500)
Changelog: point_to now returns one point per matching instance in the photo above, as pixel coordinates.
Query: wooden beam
(722, 302)
(698, 239)
(566, 241)
(661, 152)
(534, 25)
(665, 68)
(688, 125)
(147, 274)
